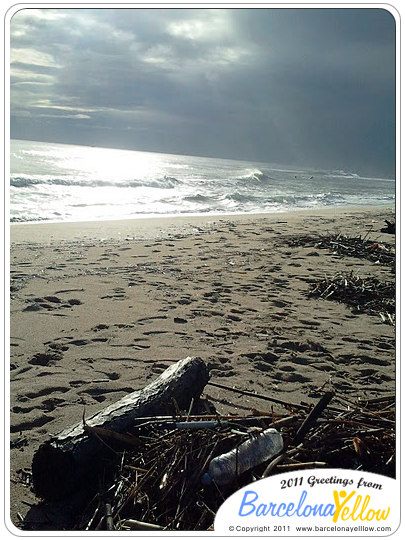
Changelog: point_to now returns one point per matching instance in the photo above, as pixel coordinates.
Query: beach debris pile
(351, 246)
(159, 486)
(155, 480)
(364, 295)
(378, 252)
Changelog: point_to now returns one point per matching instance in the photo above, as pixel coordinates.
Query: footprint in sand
(45, 359)
(56, 346)
(117, 296)
(184, 301)
(374, 361)
(48, 405)
(263, 366)
(44, 392)
(280, 303)
(385, 346)
(309, 323)
(99, 394)
(76, 384)
(125, 326)
(223, 371)
(33, 307)
(234, 318)
(146, 320)
(366, 372)
(263, 361)
(361, 359)
(113, 376)
(298, 346)
(22, 410)
(290, 376)
(159, 367)
(75, 302)
(100, 327)
(51, 303)
(54, 299)
(300, 360)
(139, 346)
(31, 422)
(287, 368)
(79, 342)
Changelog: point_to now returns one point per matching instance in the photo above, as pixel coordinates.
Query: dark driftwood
(390, 228)
(65, 462)
(313, 416)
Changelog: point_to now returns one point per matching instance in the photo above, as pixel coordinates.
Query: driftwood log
(69, 459)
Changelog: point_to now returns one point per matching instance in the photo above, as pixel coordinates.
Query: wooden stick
(135, 525)
(313, 416)
(308, 465)
(108, 517)
(259, 396)
(272, 464)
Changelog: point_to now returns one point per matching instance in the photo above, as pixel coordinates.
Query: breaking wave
(254, 177)
(167, 182)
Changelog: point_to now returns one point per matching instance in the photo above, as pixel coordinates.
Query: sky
(298, 86)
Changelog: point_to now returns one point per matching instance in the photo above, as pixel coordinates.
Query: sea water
(62, 182)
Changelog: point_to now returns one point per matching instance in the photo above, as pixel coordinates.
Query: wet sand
(101, 309)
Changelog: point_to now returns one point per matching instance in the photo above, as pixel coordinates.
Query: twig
(108, 517)
(312, 417)
(308, 465)
(272, 464)
(259, 396)
(134, 525)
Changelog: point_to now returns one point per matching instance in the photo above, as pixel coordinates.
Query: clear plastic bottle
(255, 450)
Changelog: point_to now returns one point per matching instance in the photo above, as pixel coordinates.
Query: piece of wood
(259, 396)
(390, 228)
(70, 458)
(109, 521)
(313, 416)
(134, 525)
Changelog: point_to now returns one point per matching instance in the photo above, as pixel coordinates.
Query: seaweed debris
(364, 295)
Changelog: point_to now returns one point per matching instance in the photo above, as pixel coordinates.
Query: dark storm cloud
(313, 87)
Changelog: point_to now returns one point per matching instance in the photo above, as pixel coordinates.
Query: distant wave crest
(22, 219)
(237, 196)
(257, 176)
(166, 182)
(304, 200)
(198, 198)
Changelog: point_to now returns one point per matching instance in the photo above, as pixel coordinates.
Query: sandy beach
(101, 309)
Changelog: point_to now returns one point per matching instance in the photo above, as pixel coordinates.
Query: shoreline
(146, 227)
(100, 310)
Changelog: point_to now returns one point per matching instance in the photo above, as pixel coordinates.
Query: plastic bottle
(255, 450)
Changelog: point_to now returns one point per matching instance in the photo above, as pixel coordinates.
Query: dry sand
(99, 310)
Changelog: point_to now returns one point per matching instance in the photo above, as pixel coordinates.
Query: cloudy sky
(311, 87)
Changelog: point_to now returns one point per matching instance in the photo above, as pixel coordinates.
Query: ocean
(60, 182)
